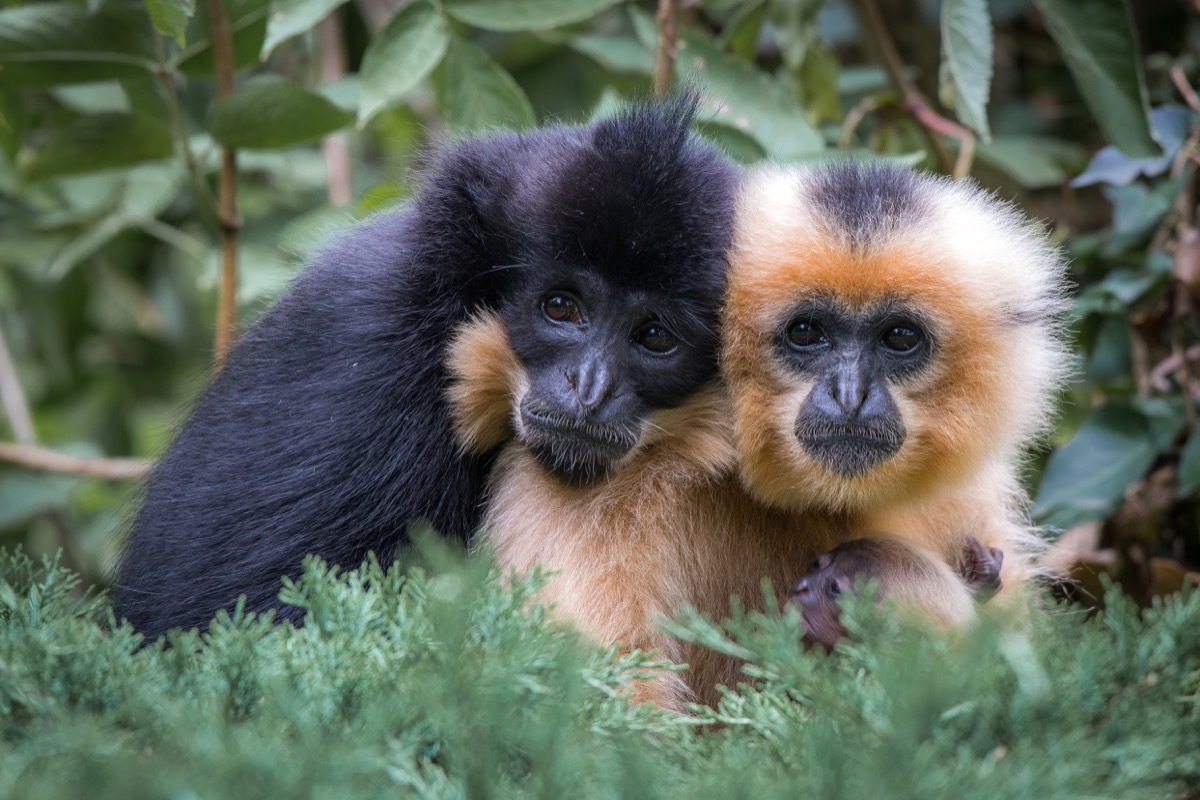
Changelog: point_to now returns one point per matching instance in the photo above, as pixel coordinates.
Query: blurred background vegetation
(118, 118)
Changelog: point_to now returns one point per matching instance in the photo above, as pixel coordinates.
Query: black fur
(327, 430)
(866, 201)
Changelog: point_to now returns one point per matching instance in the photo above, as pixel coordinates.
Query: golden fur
(718, 495)
(670, 526)
(992, 289)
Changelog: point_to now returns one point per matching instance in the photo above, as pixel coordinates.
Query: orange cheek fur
(487, 380)
(675, 524)
(950, 413)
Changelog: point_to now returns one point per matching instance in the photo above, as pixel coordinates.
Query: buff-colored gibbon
(890, 345)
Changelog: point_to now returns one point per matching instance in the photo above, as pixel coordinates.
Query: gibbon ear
(467, 208)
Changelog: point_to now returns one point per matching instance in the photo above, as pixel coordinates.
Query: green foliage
(273, 114)
(1099, 45)
(476, 93)
(444, 681)
(110, 134)
(50, 44)
(402, 56)
(1086, 478)
(967, 59)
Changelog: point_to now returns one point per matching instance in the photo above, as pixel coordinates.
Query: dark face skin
(835, 573)
(818, 592)
(600, 358)
(849, 421)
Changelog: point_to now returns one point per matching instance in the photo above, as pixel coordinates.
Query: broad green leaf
(266, 275)
(817, 84)
(274, 114)
(381, 196)
(99, 142)
(1119, 289)
(1086, 478)
(737, 144)
(23, 496)
(1137, 210)
(344, 92)
(857, 80)
(1111, 358)
(247, 25)
(621, 53)
(811, 65)
(48, 44)
(403, 54)
(170, 17)
(644, 26)
(740, 96)
(139, 195)
(1034, 162)
(1189, 466)
(12, 123)
(1113, 167)
(1099, 43)
(89, 241)
(475, 93)
(523, 15)
(93, 98)
(1166, 418)
(967, 55)
(292, 17)
(740, 35)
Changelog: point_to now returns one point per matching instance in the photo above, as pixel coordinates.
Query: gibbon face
(611, 310)
(597, 360)
(886, 332)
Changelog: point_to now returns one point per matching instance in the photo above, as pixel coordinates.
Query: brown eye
(656, 338)
(806, 334)
(560, 308)
(901, 339)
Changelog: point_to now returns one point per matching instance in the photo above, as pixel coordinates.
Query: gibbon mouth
(574, 450)
(851, 451)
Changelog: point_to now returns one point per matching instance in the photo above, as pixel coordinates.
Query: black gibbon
(328, 428)
(901, 572)
(890, 344)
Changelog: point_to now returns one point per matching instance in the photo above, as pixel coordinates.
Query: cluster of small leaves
(444, 681)
(110, 130)
(433, 680)
(1134, 456)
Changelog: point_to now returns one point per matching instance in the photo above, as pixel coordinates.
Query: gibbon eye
(901, 339)
(806, 334)
(835, 588)
(560, 308)
(656, 337)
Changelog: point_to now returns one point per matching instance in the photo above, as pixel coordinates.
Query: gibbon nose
(850, 390)
(801, 588)
(593, 383)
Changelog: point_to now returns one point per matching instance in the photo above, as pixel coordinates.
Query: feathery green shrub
(444, 680)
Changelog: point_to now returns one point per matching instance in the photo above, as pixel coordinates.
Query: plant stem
(335, 146)
(43, 459)
(664, 62)
(932, 124)
(16, 407)
(166, 77)
(227, 214)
